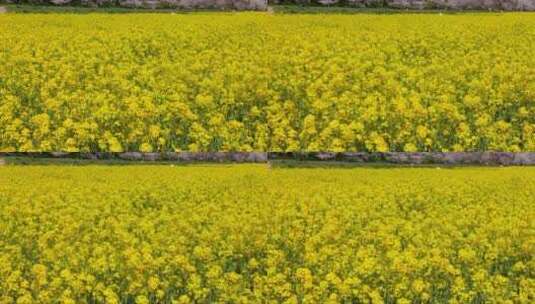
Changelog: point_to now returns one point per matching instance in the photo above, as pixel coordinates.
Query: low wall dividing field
(508, 5)
(152, 4)
(407, 158)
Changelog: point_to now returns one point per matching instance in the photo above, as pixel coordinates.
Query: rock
(524, 158)
(60, 2)
(258, 157)
(415, 4)
(396, 158)
(92, 156)
(60, 154)
(325, 156)
(526, 5)
(451, 158)
(359, 157)
(131, 156)
(151, 156)
(327, 2)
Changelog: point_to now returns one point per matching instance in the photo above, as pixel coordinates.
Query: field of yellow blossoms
(255, 81)
(248, 234)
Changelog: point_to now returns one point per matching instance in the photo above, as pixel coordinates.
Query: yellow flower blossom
(246, 82)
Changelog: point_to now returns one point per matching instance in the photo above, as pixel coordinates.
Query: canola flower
(246, 234)
(254, 81)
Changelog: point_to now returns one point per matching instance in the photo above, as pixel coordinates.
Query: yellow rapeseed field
(246, 234)
(255, 81)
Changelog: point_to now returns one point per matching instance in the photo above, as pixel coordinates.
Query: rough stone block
(131, 156)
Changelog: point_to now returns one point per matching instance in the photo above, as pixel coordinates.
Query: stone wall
(399, 158)
(416, 158)
(181, 4)
(466, 4)
(510, 5)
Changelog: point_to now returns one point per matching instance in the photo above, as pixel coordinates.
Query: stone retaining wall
(239, 157)
(152, 4)
(416, 158)
(509, 5)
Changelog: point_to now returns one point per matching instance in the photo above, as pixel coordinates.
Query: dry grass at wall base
(261, 82)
